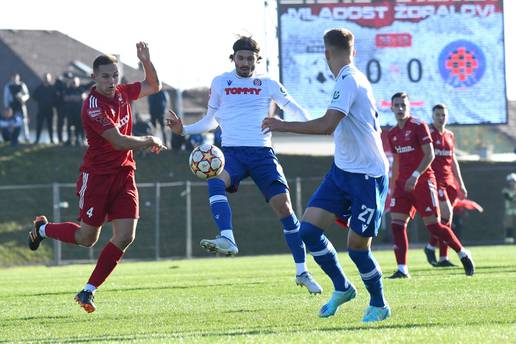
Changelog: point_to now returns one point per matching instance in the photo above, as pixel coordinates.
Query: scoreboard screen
(438, 51)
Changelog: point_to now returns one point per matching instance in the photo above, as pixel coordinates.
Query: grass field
(255, 300)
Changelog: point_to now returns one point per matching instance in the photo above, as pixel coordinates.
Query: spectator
(509, 196)
(158, 105)
(73, 97)
(16, 95)
(10, 126)
(60, 86)
(142, 127)
(46, 96)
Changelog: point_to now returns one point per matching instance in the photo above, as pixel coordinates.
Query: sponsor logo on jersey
(123, 121)
(283, 90)
(229, 82)
(94, 112)
(443, 152)
(257, 82)
(336, 95)
(404, 149)
(242, 90)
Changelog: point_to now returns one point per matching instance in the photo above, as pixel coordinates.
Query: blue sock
(324, 254)
(371, 275)
(294, 241)
(219, 204)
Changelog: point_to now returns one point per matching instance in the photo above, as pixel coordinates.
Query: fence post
(188, 219)
(57, 218)
(157, 203)
(299, 206)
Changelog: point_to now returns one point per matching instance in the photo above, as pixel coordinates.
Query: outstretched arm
(151, 84)
(205, 124)
(128, 142)
(321, 126)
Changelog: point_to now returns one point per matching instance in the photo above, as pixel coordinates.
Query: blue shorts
(354, 195)
(261, 164)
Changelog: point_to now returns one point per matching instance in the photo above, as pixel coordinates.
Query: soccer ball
(206, 161)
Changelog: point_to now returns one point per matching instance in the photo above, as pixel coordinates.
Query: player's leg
(399, 221)
(315, 221)
(267, 173)
(225, 242)
(368, 200)
(427, 206)
(282, 206)
(92, 203)
(446, 219)
(434, 241)
(234, 171)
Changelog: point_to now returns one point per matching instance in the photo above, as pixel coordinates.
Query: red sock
(399, 237)
(108, 259)
(434, 241)
(443, 247)
(445, 234)
(63, 231)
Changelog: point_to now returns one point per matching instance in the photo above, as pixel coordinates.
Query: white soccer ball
(206, 161)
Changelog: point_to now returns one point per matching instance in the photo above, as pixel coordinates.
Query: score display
(438, 51)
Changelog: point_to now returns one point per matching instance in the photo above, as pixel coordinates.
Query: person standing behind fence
(106, 187)
(60, 85)
(73, 97)
(509, 198)
(239, 101)
(10, 126)
(16, 95)
(45, 95)
(158, 105)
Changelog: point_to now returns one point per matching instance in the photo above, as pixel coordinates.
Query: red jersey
(99, 114)
(406, 145)
(444, 147)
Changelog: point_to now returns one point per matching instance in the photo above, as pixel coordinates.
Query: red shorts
(423, 198)
(447, 192)
(107, 197)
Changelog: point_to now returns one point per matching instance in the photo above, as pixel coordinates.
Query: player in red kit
(106, 186)
(415, 186)
(448, 176)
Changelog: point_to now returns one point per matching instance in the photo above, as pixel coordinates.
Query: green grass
(255, 300)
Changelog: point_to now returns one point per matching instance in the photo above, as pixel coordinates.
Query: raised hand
(174, 122)
(142, 51)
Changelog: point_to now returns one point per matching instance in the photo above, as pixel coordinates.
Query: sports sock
(399, 237)
(445, 234)
(443, 247)
(294, 241)
(371, 275)
(220, 209)
(108, 259)
(89, 287)
(403, 268)
(324, 254)
(63, 231)
(433, 241)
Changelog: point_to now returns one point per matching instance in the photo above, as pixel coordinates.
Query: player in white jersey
(357, 183)
(239, 101)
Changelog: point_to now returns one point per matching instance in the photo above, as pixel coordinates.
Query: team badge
(462, 64)
(257, 82)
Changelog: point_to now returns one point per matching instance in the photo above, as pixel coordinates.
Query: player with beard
(239, 101)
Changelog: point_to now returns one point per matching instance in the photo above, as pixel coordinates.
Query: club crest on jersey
(407, 134)
(229, 82)
(257, 82)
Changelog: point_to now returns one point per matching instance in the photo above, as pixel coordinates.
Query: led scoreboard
(438, 51)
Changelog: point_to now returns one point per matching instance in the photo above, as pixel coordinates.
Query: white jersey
(358, 144)
(239, 106)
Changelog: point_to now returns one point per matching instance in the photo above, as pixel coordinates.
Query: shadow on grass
(251, 332)
(226, 284)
